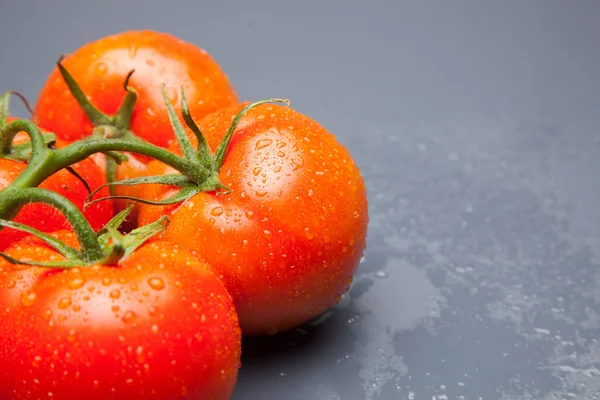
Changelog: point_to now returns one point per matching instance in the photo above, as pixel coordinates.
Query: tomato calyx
(208, 163)
(107, 246)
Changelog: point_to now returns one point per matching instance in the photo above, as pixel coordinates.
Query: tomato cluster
(273, 245)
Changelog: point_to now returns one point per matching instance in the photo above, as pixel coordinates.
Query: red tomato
(100, 68)
(160, 325)
(289, 237)
(46, 218)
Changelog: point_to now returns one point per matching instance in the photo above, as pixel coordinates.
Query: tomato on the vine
(157, 325)
(289, 236)
(46, 218)
(100, 68)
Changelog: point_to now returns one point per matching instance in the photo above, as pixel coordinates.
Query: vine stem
(12, 198)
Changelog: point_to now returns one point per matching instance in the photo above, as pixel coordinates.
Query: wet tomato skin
(289, 237)
(158, 325)
(100, 68)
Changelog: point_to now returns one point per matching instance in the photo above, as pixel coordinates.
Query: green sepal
(64, 264)
(203, 153)
(185, 193)
(62, 248)
(95, 116)
(171, 179)
(116, 221)
(184, 142)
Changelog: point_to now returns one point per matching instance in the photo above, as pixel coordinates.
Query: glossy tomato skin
(47, 218)
(290, 235)
(100, 68)
(160, 325)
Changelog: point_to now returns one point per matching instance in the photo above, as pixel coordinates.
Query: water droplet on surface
(261, 144)
(64, 303)
(28, 298)
(156, 283)
(150, 62)
(11, 284)
(71, 335)
(76, 283)
(106, 281)
(115, 294)
(154, 329)
(381, 274)
(217, 211)
(261, 193)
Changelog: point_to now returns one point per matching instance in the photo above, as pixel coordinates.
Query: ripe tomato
(158, 325)
(289, 237)
(100, 68)
(46, 218)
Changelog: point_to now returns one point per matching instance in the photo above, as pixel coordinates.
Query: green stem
(11, 200)
(8, 133)
(79, 151)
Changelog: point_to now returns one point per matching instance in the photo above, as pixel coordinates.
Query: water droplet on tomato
(106, 281)
(281, 145)
(280, 154)
(64, 303)
(76, 283)
(129, 317)
(298, 162)
(71, 335)
(152, 310)
(115, 308)
(249, 214)
(154, 329)
(36, 361)
(261, 144)
(101, 68)
(217, 211)
(256, 171)
(115, 294)
(140, 354)
(48, 314)
(261, 193)
(156, 283)
(267, 233)
(28, 298)
(11, 284)
(150, 62)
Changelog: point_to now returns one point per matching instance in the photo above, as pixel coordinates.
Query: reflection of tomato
(158, 325)
(100, 68)
(290, 235)
(46, 218)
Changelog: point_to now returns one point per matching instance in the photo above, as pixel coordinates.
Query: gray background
(477, 128)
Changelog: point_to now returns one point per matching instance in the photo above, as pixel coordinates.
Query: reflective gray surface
(477, 128)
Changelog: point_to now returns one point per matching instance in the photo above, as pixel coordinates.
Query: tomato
(289, 237)
(158, 325)
(100, 68)
(46, 218)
